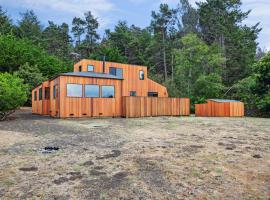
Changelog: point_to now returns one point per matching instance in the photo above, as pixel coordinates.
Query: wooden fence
(155, 106)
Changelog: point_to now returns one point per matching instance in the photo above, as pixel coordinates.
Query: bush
(13, 94)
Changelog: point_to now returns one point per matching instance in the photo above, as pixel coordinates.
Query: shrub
(13, 94)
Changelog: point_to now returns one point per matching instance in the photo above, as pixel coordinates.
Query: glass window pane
(91, 91)
(47, 93)
(40, 94)
(74, 90)
(90, 68)
(119, 72)
(80, 68)
(112, 71)
(141, 75)
(152, 94)
(107, 91)
(133, 93)
(35, 95)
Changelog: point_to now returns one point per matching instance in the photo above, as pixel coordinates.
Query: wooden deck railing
(155, 106)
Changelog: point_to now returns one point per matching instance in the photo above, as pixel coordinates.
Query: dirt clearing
(146, 158)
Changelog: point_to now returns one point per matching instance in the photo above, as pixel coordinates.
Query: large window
(152, 94)
(107, 91)
(91, 91)
(40, 94)
(90, 68)
(141, 75)
(116, 72)
(55, 91)
(47, 93)
(74, 90)
(133, 93)
(35, 95)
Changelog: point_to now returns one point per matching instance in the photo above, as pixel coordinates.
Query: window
(55, 91)
(47, 93)
(152, 94)
(116, 72)
(91, 91)
(133, 93)
(141, 75)
(90, 68)
(107, 91)
(74, 90)
(80, 68)
(40, 94)
(35, 95)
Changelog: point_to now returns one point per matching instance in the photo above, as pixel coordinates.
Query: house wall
(131, 80)
(89, 107)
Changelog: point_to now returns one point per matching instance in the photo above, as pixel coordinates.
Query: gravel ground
(146, 158)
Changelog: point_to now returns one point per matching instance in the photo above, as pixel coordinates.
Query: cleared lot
(146, 158)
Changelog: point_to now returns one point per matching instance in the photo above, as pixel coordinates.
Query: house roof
(91, 74)
(223, 100)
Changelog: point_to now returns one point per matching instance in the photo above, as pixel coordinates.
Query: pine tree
(78, 29)
(5, 23)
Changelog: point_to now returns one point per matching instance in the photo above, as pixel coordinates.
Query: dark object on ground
(115, 153)
(28, 169)
(257, 156)
(50, 149)
(88, 163)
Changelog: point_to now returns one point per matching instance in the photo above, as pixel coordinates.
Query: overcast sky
(136, 12)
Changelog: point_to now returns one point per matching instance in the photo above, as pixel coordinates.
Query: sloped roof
(91, 74)
(223, 100)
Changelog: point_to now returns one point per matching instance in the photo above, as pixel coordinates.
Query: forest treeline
(203, 52)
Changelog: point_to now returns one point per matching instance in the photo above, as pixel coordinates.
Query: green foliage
(31, 76)
(5, 23)
(13, 94)
(15, 52)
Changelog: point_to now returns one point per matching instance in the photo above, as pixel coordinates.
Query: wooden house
(220, 108)
(100, 89)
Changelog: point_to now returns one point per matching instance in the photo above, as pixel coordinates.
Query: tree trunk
(164, 56)
(172, 68)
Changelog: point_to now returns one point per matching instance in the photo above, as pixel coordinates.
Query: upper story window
(55, 91)
(35, 95)
(107, 91)
(133, 93)
(47, 93)
(141, 75)
(80, 68)
(90, 68)
(116, 72)
(74, 90)
(91, 91)
(152, 94)
(40, 94)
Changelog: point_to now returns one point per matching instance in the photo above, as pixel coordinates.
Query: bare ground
(146, 158)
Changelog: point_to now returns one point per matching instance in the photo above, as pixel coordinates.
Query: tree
(162, 25)
(13, 94)
(29, 27)
(78, 29)
(5, 23)
(196, 63)
(15, 52)
(57, 41)
(220, 22)
(31, 77)
(91, 35)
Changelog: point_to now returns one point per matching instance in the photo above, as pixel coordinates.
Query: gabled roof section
(91, 74)
(223, 100)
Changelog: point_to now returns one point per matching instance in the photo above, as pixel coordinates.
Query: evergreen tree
(29, 27)
(78, 29)
(5, 23)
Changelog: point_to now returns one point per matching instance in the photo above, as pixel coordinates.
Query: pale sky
(137, 12)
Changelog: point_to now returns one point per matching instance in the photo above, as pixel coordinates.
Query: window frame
(55, 91)
(133, 92)
(84, 94)
(101, 94)
(143, 78)
(35, 95)
(40, 95)
(47, 93)
(152, 93)
(116, 70)
(74, 96)
(93, 67)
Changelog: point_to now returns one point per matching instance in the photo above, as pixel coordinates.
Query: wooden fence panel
(155, 106)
